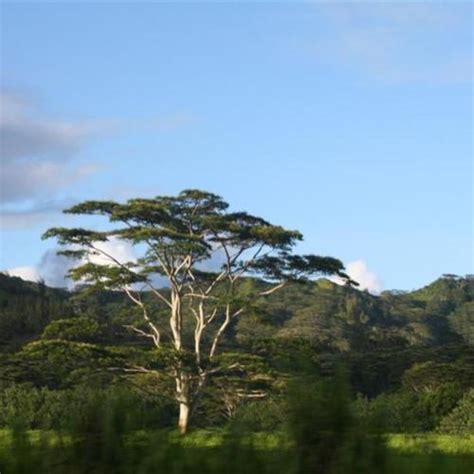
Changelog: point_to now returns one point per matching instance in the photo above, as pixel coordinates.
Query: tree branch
(121, 265)
(138, 302)
(272, 290)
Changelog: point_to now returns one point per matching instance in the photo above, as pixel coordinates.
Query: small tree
(177, 237)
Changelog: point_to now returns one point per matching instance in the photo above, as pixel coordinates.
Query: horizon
(349, 122)
(445, 276)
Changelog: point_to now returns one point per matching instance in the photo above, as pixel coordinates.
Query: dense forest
(409, 351)
(398, 344)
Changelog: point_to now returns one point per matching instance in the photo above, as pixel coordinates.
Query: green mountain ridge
(328, 316)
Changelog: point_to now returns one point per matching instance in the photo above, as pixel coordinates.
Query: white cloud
(32, 179)
(40, 155)
(26, 273)
(359, 272)
(25, 135)
(28, 216)
(53, 268)
(118, 249)
(36, 151)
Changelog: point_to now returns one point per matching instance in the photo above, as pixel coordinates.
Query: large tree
(179, 239)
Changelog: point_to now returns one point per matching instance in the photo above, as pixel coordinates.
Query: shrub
(42, 408)
(461, 418)
(82, 329)
(406, 411)
(262, 415)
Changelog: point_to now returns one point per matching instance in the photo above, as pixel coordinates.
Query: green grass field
(432, 443)
(423, 443)
(431, 453)
(205, 451)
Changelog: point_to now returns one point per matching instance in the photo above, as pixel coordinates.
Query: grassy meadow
(218, 451)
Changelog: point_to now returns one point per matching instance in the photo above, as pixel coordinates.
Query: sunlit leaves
(192, 225)
(75, 236)
(286, 266)
(106, 276)
(93, 207)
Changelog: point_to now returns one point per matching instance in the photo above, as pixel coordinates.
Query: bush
(461, 419)
(399, 411)
(262, 415)
(405, 411)
(82, 329)
(42, 408)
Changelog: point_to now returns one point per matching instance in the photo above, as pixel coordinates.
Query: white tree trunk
(183, 417)
(183, 399)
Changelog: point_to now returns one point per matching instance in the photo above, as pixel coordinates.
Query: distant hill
(26, 308)
(340, 318)
(328, 316)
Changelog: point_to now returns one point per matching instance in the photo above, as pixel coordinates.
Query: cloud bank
(36, 152)
(359, 272)
(26, 273)
(40, 156)
(53, 268)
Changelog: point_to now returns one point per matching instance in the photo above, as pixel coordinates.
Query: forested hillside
(377, 337)
(329, 317)
(68, 357)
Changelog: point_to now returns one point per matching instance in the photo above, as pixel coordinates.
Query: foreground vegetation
(328, 380)
(321, 434)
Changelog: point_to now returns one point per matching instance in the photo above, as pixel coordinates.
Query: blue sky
(351, 122)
